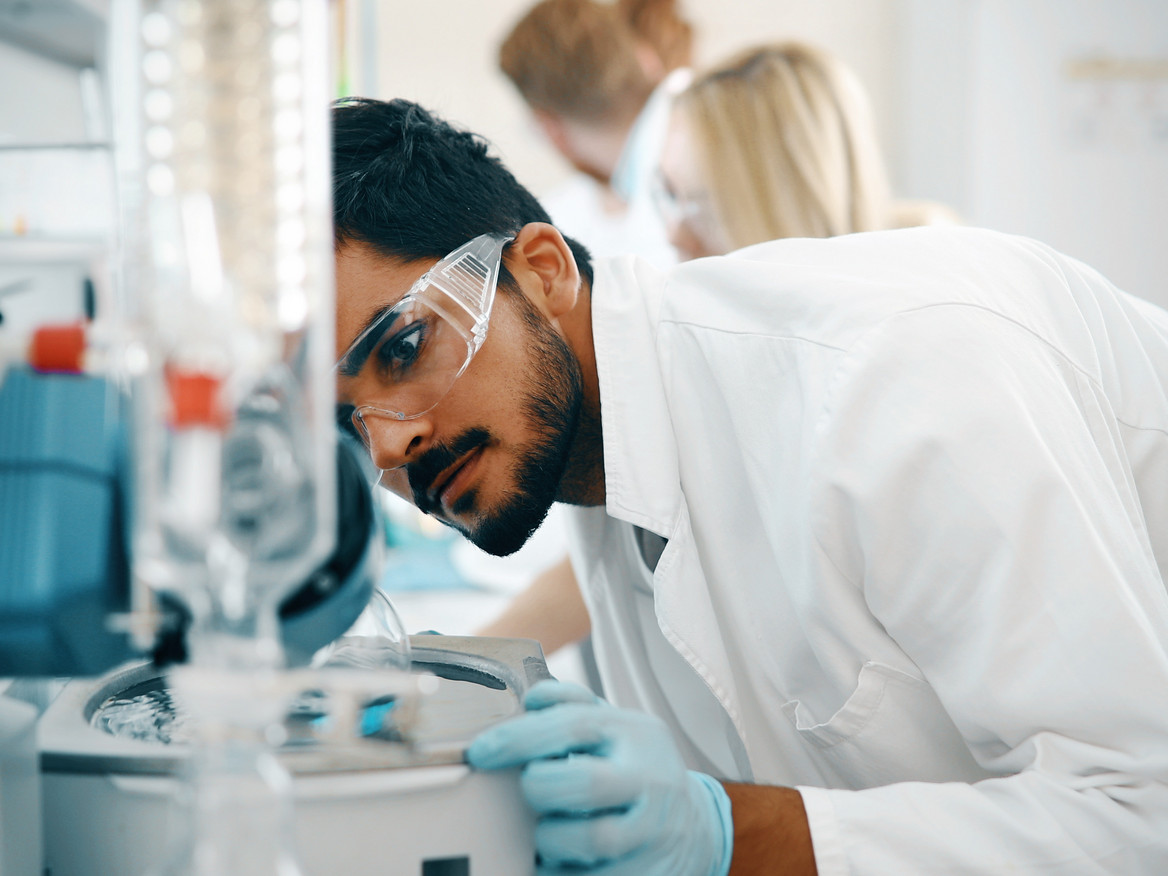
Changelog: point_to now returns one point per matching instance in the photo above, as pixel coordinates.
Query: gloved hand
(610, 787)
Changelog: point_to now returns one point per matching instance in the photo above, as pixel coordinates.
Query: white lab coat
(914, 486)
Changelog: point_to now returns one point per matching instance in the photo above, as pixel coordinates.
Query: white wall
(442, 55)
(1047, 118)
(1074, 156)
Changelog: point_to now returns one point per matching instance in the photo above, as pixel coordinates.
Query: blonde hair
(786, 141)
(578, 59)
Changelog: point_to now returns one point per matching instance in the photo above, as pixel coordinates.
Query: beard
(552, 395)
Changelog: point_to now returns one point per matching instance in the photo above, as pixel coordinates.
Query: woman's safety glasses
(696, 211)
(409, 357)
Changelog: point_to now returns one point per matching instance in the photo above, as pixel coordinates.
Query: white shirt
(914, 491)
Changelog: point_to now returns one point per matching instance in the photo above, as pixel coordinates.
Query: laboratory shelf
(34, 250)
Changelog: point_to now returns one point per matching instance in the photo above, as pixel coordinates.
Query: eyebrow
(353, 361)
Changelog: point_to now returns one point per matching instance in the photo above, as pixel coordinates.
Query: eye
(400, 351)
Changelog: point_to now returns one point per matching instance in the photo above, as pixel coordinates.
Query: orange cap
(194, 400)
(58, 348)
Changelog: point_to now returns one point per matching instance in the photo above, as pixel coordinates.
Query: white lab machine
(390, 807)
(20, 792)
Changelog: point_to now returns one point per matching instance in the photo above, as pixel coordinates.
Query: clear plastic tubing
(236, 488)
(229, 278)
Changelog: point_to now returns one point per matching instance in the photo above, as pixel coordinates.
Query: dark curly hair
(412, 186)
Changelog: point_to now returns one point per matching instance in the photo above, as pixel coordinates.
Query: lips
(438, 469)
(452, 481)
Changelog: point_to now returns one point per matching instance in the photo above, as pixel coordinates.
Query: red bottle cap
(195, 400)
(58, 349)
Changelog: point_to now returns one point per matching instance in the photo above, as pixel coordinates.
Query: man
(872, 529)
(598, 78)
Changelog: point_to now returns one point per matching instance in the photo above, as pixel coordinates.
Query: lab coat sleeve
(973, 483)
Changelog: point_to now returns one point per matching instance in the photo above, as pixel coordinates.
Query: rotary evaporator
(200, 676)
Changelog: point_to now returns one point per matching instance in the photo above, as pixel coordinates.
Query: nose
(393, 442)
(676, 234)
(681, 235)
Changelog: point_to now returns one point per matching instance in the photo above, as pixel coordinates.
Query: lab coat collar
(642, 485)
(641, 468)
(638, 159)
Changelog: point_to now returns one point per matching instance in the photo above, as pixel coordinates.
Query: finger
(589, 842)
(534, 735)
(579, 783)
(554, 693)
(636, 864)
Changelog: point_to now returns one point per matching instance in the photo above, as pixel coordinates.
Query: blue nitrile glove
(610, 788)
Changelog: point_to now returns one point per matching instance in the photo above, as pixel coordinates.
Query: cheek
(491, 382)
(489, 394)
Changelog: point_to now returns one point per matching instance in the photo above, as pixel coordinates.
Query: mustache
(422, 472)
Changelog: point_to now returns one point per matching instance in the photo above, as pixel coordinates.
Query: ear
(554, 129)
(542, 263)
(649, 61)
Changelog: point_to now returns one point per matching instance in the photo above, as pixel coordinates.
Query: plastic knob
(57, 349)
(195, 400)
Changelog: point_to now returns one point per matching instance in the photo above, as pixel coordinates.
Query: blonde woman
(778, 141)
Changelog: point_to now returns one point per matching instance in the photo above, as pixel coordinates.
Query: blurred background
(1043, 117)
(1047, 118)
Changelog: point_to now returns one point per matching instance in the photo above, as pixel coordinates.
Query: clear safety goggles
(410, 356)
(675, 209)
